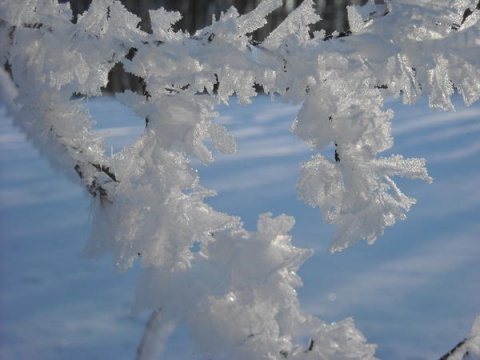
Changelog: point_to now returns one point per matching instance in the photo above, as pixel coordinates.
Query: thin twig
(147, 333)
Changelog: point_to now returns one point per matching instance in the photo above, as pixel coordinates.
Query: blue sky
(415, 292)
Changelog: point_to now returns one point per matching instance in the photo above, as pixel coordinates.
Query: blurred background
(198, 14)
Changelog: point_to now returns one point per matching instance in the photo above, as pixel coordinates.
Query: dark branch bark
(451, 352)
(106, 170)
(468, 12)
(94, 187)
(147, 333)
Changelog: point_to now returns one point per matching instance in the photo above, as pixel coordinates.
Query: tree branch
(147, 350)
(454, 350)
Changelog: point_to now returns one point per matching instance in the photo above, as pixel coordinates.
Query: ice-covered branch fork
(235, 289)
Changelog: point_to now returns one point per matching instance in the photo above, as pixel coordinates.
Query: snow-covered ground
(415, 292)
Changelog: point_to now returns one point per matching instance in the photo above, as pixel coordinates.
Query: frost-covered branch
(455, 350)
(154, 336)
(235, 289)
(470, 346)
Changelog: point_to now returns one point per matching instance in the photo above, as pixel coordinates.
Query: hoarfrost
(473, 340)
(235, 289)
(469, 348)
(162, 22)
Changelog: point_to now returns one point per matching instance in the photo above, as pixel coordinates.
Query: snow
(414, 293)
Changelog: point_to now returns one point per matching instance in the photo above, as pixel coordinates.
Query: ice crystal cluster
(235, 289)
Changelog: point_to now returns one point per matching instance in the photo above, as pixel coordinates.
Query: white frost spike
(442, 87)
(473, 340)
(255, 19)
(295, 24)
(109, 18)
(162, 22)
(355, 19)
